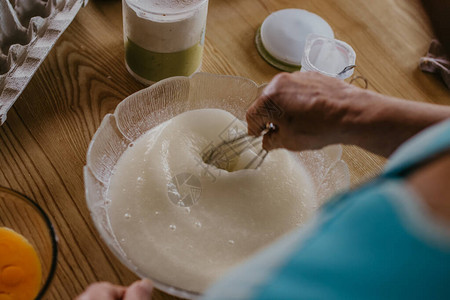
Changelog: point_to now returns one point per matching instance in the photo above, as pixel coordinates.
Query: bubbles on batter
(211, 227)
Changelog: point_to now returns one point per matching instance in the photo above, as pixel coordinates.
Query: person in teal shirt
(387, 239)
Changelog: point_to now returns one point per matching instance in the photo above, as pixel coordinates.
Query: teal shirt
(376, 242)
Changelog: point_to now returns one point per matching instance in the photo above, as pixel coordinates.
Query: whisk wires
(227, 152)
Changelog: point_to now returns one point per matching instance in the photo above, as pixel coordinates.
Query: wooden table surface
(44, 141)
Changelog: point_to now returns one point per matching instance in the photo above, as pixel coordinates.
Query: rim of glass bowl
(89, 175)
(51, 231)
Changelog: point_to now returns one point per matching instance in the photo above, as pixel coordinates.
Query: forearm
(381, 124)
(318, 110)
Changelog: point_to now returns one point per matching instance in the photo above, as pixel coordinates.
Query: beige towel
(436, 61)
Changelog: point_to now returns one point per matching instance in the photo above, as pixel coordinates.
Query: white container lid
(283, 35)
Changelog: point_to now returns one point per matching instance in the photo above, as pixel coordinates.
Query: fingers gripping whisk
(226, 154)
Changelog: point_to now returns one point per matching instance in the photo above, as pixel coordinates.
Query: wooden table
(44, 141)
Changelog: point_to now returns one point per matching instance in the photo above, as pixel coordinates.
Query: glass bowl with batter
(169, 216)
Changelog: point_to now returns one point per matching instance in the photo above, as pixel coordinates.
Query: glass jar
(163, 38)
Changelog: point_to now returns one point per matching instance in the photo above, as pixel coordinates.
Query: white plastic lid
(284, 33)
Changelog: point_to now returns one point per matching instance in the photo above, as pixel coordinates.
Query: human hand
(139, 290)
(311, 111)
(308, 109)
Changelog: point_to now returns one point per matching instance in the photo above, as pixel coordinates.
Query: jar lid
(281, 38)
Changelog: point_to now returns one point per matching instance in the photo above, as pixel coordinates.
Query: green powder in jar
(155, 66)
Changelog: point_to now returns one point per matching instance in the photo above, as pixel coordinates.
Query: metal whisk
(224, 154)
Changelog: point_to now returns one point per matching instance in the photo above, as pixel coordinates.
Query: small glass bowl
(26, 217)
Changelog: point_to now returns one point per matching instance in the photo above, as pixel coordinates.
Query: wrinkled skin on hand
(308, 109)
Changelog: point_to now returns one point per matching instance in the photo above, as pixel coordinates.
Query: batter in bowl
(183, 222)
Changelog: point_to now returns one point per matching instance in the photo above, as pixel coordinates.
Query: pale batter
(230, 214)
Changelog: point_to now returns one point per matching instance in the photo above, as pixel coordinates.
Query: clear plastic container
(163, 38)
(328, 56)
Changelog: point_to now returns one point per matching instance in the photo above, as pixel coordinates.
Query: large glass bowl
(162, 101)
(26, 217)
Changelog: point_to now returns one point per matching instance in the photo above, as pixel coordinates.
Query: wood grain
(44, 141)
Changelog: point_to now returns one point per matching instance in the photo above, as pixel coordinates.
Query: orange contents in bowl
(20, 268)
